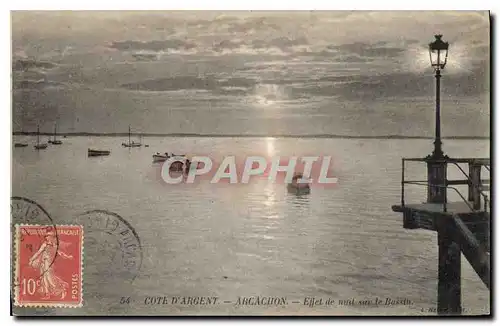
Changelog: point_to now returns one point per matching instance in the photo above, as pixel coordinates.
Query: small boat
(39, 146)
(96, 152)
(131, 143)
(180, 162)
(20, 145)
(298, 188)
(163, 157)
(160, 157)
(55, 141)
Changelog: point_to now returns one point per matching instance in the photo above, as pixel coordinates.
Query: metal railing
(420, 183)
(446, 186)
(475, 185)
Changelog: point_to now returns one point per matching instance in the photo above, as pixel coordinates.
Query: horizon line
(121, 134)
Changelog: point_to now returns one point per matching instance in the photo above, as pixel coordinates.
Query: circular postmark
(112, 246)
(26, 212)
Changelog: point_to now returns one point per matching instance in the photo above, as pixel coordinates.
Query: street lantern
(438, 52)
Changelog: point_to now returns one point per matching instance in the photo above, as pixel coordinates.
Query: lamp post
(438, 55)
(436, 162)
(449, 291)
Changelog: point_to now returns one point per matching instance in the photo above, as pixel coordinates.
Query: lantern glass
(438, 53)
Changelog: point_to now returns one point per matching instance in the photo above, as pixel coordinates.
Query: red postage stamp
(49, 266)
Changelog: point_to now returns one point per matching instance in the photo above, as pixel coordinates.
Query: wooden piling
(474, 185)
(449, 270)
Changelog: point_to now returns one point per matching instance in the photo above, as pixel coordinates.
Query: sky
(299, 73)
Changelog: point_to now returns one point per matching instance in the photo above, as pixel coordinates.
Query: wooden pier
(463, 227)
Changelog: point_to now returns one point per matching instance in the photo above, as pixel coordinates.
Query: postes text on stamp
(48, 266)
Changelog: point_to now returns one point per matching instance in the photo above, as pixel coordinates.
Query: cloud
(252, 24)
(145, 56)
(399, 85)
(175, 44)
(210, 83)
(27, 64)
(379, 49)
(226, 45)
(32, 74)
(282, 42)
(35, 84)
(257, 46)
(172, 84)
(332, 84)
(333, 56)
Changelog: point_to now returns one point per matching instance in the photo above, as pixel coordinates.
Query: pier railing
(462, 227)
(477, 187)
(420, 183)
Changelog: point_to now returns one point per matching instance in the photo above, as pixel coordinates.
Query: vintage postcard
(250, 163)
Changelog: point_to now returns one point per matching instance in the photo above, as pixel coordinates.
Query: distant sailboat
(55, 141)
(39, 146)
(131, 143)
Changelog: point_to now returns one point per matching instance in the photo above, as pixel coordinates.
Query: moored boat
(131, 143)
(55, 141)
(180, 163)
(160, 157)
(39, 145)
(20, 145)
(97, 152)
(163, 157)
(297, 187)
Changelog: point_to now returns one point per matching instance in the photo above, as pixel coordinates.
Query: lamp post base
(437, 153)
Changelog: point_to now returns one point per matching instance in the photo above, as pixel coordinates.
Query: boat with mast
(39, 146)
(55, 141)
(131, 143)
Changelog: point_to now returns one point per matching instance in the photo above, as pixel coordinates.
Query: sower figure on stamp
(51, 284)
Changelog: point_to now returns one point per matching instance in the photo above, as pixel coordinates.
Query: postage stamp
(48, 269)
